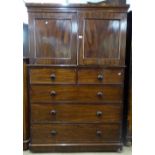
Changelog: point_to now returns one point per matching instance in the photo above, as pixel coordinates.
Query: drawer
(76, 93)
(75, 113)
(68, 133)
(52, 75)
(101, 76)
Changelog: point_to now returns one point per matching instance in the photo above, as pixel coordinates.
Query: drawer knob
(99, 94)
(53, 93)
(98, 133)
(100, 77)
(52, 76)
(53, 132)
(53, 112)
(99, 113)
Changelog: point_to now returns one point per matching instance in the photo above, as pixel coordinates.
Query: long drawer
(46, 112)
(52, 75)
(68, 75)
(100, 76)
(76, 93)
(68, 133)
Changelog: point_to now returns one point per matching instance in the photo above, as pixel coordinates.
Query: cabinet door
(102, 38)
(53, 38)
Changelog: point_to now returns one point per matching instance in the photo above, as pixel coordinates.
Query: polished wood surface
(129, 119)
(104, 36)
(76, 76)
(76, 93)
(77, 147)
(57, 46)
(101, 47)
(65, 133)
(34, 6)
(113, 2)
(101, 76)
(52, 75)
(26, 133)
(75, 113)
(68, 76)
(53, 38)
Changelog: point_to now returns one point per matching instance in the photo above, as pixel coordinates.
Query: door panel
(102, 38)
(55, 38)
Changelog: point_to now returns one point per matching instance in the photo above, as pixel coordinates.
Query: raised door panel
(102, 38)
(55, 38)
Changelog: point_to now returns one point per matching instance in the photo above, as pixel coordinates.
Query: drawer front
(68, 133)
(75, 113)
(53, 93)
(52, 75)
(76, 93)
(101, 76)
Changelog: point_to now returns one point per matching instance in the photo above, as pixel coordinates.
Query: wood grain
(92, 76)
(43, 75)
(77, 61)
(52, 38)
(26, 125)
(66, 133)
(76, 93)
(77, 147)
(74, 113)
(103, 38)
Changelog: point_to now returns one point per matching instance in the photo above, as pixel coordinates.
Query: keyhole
(46, 22)
(119, 73)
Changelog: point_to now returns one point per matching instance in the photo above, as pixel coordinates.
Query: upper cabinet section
(53, 38)
(102, 38)
(80, 34)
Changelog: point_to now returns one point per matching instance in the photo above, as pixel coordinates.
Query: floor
(126, 151)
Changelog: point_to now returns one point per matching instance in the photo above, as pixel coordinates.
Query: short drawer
(52, 75)
(101, 76)
(75, 113)
(76, 93)
(68, 133)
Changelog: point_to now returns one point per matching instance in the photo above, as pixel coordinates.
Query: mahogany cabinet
(76, 76)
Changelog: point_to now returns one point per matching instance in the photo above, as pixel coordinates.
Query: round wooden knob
(99, 94)
(53, 132)
(99, 113)
(53, 93)
(100, 77)
(53, 112)
(53, 76)
(98, 133)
